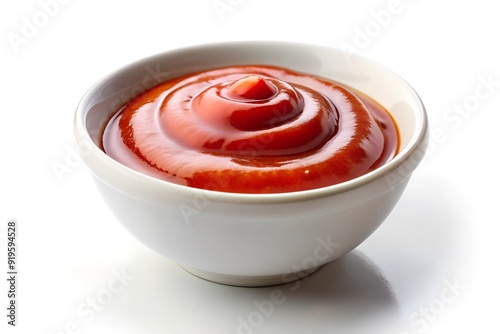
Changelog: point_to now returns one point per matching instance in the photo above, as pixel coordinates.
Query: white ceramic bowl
(251, 239)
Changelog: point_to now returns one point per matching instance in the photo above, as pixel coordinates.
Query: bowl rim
(416, 142)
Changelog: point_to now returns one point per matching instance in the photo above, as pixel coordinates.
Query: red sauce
(252, 129)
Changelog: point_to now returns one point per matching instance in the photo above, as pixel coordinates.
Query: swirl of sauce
(252, 129)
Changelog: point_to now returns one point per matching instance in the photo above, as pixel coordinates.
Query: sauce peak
(252, 87)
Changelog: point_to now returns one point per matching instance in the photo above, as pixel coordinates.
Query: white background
(430, 268)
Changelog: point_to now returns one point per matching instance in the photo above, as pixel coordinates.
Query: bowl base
(249, 281)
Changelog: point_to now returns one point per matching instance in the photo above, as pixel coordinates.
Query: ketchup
(252, 129)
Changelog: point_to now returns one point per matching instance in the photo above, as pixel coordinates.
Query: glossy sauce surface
(252, 129)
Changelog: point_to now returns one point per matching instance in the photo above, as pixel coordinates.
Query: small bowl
(251, 239)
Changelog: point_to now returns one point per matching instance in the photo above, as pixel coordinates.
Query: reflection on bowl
(252, 239)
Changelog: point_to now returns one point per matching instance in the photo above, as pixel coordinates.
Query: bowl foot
(249, 281)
